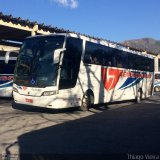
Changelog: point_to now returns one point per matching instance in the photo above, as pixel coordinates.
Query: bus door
(70, 68)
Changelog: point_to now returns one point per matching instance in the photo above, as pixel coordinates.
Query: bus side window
(88, 59)
(118, 61)
(107, 57)
(96, 57)
(10, 67)
(93, 53)
(130, 59)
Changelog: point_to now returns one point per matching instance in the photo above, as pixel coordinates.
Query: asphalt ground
(125, 130)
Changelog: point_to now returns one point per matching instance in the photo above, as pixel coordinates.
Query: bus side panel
(116, 85)
(6, 92)
(90, 79)
(113, 84)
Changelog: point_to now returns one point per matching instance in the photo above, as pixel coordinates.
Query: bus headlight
(15, 89)
(49, 93)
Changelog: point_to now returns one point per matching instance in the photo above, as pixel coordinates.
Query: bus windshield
(35, 64)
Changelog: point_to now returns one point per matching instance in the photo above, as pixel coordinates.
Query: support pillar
(34, 30)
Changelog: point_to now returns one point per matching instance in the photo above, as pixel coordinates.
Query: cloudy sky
(115, 20)
(66, 3)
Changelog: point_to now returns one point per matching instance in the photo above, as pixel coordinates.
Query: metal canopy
(16, 29)
(13, 34)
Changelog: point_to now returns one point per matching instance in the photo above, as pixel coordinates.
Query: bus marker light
(15, 89)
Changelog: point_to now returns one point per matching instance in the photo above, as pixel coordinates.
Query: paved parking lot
(115, 129)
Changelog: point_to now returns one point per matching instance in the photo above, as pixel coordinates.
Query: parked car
(157, 82)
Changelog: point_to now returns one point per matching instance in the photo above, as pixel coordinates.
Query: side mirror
(56, 55)
(7, 57)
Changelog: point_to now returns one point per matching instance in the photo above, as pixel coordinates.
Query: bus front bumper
(42, 101)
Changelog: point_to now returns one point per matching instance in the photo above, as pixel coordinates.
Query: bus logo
(110, 77)
(32, 81)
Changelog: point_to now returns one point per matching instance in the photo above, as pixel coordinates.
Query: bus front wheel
(87, 101)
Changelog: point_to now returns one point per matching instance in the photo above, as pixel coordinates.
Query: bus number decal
(29, 100)
(110, 77)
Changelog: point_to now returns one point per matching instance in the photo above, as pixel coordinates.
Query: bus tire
(139, 96)
(87, 100)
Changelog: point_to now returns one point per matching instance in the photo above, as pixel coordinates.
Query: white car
(157, 82)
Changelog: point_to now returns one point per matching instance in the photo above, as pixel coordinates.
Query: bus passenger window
(88, 59)
(107, 62)
(94, 60)
(119, 63)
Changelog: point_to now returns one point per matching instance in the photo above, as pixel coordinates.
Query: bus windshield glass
(35, 64)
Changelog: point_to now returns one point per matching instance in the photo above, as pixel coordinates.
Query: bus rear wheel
(87, 101)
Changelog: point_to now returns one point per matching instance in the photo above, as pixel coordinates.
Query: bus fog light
(49, 93)
(15, 89)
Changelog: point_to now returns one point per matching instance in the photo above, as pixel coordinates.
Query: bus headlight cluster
(15, 89)
(49, 93)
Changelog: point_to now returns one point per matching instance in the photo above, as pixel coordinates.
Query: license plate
(29, 100)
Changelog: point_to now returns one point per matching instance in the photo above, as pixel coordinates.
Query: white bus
(7, 65)
(67, 70)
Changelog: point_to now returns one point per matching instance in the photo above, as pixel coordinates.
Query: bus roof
(98, 41)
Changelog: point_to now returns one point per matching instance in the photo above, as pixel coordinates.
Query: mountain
(145, 44)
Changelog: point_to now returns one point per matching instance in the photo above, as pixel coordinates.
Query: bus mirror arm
(56, 55)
